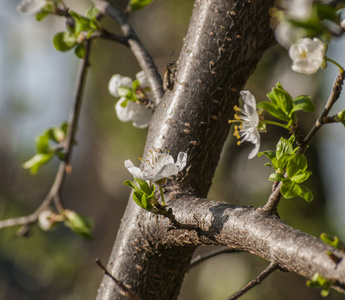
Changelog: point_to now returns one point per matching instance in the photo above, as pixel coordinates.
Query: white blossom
(30, 7)
(248, 130)
(307, 55)
(157, 166)
(45, 220)
(299, 9)
(117, 81)
(141, 77)
(286, 34)
(134, 111)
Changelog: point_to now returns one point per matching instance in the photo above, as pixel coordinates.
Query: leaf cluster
(143, 194)
(321, 282)
(82, 29)
(78, 223)
(290, 168)
(283, 107)
(134, 93)
(45, 151)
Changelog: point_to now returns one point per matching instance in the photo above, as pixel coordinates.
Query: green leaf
(80, 50)
(92, 12)
(281, 98)
(271, 155)
(42, 143)
(41, 15)
(287, 189)
(334, 242)
(276, 177)
(37, 161)
(64, 41)
(125, 91)
(137, 198)
(303, 192)
(284, 160)
(283, 146)
(135, 84)
(81, 23)
(303, 103)
(301, 176)
(56, 134)
(78, 223)
(132, 185)
(273, 110)
(144, 186)
(297, 163)
(138, 4)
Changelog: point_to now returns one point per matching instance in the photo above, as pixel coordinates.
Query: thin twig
(273, 200)
(333, 97)
(201, 258)
(124, 290)
(105, 34)
(270, 269)
(140, 52)
(68, 146)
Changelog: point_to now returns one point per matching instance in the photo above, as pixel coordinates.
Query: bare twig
(333, 97)
(105, 34)
(142, 55)
(68, 146)
(273, 200)
(201, 258)
(270, 269)
(124, 290)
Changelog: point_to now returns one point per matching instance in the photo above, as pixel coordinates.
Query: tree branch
(273, 201)
(201, 258)
(68, 147)
(142, 55)
(265, 273)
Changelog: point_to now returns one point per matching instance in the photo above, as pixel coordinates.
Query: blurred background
(36, 92)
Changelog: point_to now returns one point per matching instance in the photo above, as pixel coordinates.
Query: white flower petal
(116, 81)
(181, 161)
(124, 114)
(157, 166)
(141, 77)
(307, 55)
(30, 7)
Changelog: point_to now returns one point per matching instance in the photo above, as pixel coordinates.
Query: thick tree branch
(142, 55)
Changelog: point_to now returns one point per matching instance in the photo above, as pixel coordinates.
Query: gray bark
(224, 43)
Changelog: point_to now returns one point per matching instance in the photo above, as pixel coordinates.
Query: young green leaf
(144, 186)
(273, 110)
(303, 103)
(64, 41)
(42, 143)
(276, 177)
(281, 98)
(287, 189)
(334, 242)
(300, 176)
(297, 163)
(138, 4)
(132, 185)
(37, 161)
(137, 198)
(78, 223)
(92, 12)
(303, 192)
(80, 50)
(283, 146)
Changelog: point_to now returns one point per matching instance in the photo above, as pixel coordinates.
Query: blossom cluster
(134, 99)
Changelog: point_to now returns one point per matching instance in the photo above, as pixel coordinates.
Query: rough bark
(224, 43)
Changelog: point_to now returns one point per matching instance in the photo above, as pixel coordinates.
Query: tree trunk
(223, 45)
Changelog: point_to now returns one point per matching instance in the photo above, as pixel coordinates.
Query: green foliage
(138, 4)
(84, 27)
(46, 10)
(340, 117)
(78, 223)
(143, 195)
(283, 107)
(291, 169)
(335, 242)
(45, 152)
(321, 282)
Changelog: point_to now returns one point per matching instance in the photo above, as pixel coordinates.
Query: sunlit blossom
(157, 166)
(307, 55)
(249, 122)
(117, 81)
